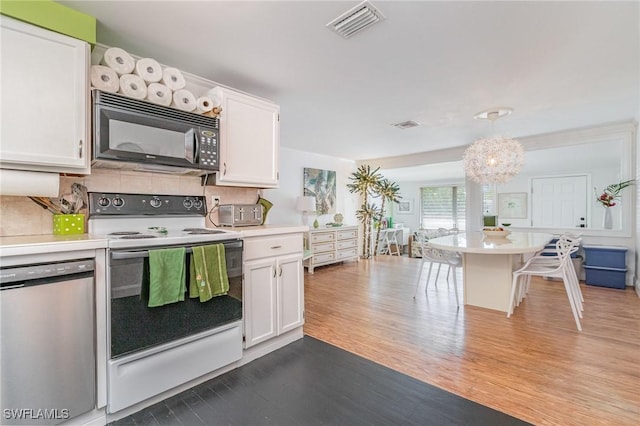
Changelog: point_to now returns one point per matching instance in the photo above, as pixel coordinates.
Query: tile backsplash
(21, 216)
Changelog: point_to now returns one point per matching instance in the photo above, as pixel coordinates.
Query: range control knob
(104, 202)
(155, 202)
(118, 202)
(187, 203)
(197, 204)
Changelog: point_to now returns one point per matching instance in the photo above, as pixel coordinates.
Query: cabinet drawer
(347, 253)
(323, 237)
(345, 235)
(323, 257)
(257, 247)
(346, 244)
(323, 247)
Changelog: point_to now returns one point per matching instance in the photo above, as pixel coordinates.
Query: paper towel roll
(215, 95)
(203, 104)
(118, 60)
(149, 69)
(104, 78)
(34, 184)
(173, 79)
(133, 86)
(159, 94)
(184, 100)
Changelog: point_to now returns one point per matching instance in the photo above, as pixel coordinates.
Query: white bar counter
(489, 262)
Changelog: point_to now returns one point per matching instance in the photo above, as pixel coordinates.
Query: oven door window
(135, 326)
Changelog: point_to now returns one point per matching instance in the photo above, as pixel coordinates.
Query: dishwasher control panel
(45, 270)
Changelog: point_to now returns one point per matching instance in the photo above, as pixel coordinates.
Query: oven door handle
(139, 254)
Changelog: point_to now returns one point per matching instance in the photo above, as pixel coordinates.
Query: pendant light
(496, 159)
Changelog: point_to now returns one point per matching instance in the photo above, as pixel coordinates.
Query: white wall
(292, 163)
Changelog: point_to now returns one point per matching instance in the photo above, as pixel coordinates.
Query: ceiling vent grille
(356, 19)
(406, 124)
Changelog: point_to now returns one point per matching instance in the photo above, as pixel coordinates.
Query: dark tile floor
(310, 382)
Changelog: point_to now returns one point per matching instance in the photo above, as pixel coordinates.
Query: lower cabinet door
(260, 293)
(290, 293)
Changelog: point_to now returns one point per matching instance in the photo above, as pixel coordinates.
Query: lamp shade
(306, 204)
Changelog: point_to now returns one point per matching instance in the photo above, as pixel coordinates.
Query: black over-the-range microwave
(139, 135)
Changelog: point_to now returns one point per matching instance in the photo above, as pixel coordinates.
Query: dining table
(488, 263)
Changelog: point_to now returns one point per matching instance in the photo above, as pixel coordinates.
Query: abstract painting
(322, 185)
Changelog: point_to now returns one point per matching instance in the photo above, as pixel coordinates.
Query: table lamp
(305, 205)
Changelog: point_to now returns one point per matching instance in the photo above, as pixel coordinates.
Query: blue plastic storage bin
(605, 256)
(605, 277)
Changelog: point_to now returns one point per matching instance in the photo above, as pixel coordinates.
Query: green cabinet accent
(53, 16)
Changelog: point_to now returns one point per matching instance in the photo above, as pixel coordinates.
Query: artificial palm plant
(364, 182)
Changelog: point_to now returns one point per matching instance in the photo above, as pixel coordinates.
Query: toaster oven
(240, 214)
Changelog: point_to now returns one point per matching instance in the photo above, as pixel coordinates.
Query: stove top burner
(137, 236)
(195, 231)
(123, 233)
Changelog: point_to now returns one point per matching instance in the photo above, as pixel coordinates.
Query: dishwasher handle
(12, 277)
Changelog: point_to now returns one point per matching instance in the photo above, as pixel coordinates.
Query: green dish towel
(208, 274)
(166, 276)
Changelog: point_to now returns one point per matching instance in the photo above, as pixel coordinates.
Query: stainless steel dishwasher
(47, 355)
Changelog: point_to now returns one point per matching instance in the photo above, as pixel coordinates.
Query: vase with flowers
(608, 199)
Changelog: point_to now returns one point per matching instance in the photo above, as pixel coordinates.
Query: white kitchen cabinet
(249, 141)
(45, 100)
(331, 245)
(273, 287)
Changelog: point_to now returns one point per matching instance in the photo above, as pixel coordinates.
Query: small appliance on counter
(240, 214)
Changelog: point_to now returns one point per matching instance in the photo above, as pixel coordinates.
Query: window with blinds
(443, 207)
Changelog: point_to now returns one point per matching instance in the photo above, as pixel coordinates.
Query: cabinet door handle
(274, 272)
(224, 165)
(275, 247)
(80, 148)
(280, 272)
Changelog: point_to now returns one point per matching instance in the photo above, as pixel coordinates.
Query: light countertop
(477, 242)
(49, 243)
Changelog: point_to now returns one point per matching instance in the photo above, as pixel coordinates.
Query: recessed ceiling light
(406, 124)
(356, 19)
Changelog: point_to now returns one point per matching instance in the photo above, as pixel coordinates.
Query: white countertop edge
(48, 243)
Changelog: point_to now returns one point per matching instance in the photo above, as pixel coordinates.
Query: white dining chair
(561, 269)
(549, 258)
(438, 257)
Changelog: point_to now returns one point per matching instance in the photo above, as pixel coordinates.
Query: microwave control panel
(208, 143)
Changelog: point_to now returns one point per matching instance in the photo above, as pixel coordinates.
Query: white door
(290, 293)
(559, 202)
(260, 315)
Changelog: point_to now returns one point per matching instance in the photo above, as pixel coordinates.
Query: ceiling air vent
(356, 19)
(406, 124)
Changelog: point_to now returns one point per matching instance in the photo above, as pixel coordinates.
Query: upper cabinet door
(44, 99)
(249, 141)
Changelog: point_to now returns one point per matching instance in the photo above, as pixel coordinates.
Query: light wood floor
(535, 365)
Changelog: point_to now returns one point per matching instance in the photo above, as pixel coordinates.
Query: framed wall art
(322, 185)
(512, 205)
(404, 206)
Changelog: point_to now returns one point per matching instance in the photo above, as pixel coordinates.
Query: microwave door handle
(196, 144)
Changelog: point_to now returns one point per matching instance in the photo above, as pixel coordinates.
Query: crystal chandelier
(496, 159)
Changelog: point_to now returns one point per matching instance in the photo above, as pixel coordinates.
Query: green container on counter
(68, 224)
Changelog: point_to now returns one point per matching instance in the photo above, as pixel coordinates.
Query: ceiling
(559, 65)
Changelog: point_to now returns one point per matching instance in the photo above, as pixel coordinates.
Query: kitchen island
(489, 262)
